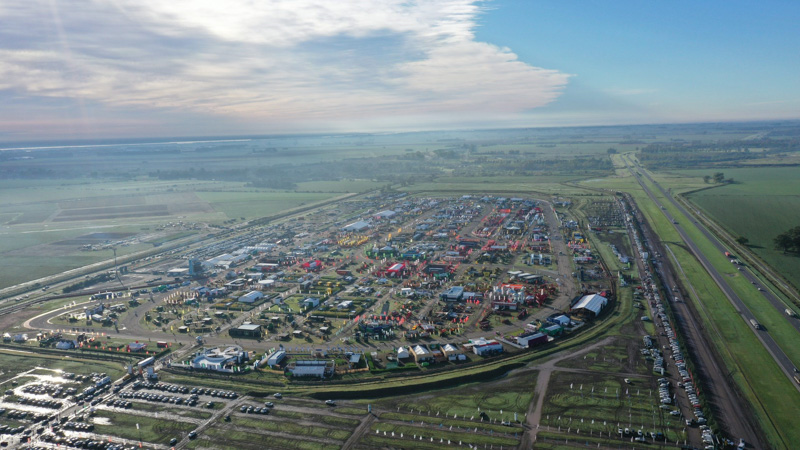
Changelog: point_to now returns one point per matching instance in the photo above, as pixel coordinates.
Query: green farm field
(41, 221)
(763, 203)
(753, 369)
(259, 204)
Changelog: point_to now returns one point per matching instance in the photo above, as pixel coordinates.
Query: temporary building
(593, 303)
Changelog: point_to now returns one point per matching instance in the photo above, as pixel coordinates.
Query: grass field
(774, 320)
(769, 391)
(339, 186)
(506, 184)
(14, 363)
(441, 435)
(604, 403)
(511, 394)
(222, 437)
(258, 204)
(763, 203)
(298, 429)
(157, 431)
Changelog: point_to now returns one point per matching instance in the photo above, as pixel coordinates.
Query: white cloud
(289, 63)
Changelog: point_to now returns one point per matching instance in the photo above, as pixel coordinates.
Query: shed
(421, 354)
(275, 358)
(560, 320)
(592, 303)
(247, 330)
(251, 297)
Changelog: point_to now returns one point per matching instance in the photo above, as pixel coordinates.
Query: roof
(594, 303)
(562, 319)
(249, 327)
(450, 348)
(355, 226)
(276, 357)
(420, 350)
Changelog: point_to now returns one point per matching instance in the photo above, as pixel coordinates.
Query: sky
(149, 68)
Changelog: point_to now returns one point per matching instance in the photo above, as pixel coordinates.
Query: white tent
(594, 303)
(402, 353)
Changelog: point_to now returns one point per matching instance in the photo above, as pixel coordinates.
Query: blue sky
(203, 67)
(667, 61)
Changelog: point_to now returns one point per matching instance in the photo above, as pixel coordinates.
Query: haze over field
(151, 68)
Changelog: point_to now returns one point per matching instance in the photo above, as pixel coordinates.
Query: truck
(790, 313)
(755, 324)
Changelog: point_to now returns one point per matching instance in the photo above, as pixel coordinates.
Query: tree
(719, 177)
(783, 242)
(612, 151)
(706, 179)
(794, 235)
(742, 240)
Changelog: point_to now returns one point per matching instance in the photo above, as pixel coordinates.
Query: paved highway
(729, 408)
(777, 303)
(786, 365)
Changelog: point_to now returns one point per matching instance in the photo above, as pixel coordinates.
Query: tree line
(788, 241)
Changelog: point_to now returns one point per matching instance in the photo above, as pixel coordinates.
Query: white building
(313, 368)
(219, 359)
(421, 354)
(593, 303)
(275, 358)
(483, 346)
(251, 297)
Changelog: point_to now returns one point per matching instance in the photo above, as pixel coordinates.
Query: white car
(277, 395)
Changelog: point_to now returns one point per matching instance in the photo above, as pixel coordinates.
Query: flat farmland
(339, 186)
(45, 225)
(506, 184)
(763, 203)
(259, 204)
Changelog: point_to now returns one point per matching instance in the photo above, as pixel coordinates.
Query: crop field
(775, 320)
(507, 184)
(45, 227)
(758, 376)
(342, 186)
(258, 204)
(763, 203)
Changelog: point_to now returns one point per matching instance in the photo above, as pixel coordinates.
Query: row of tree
(718, 178)
(788, 240)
